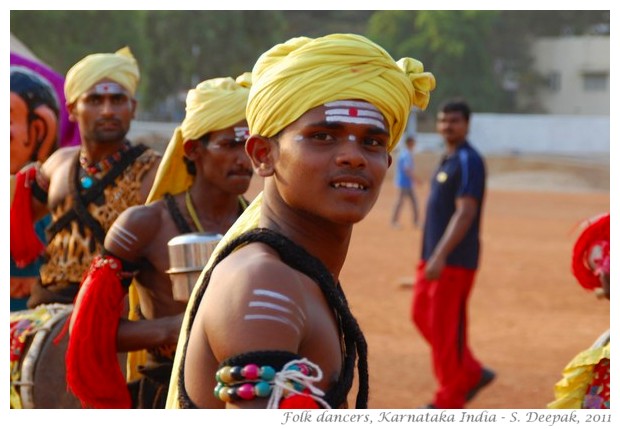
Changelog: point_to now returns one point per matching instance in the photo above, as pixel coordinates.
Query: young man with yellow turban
(86, 187)
(273, 328)
(202, 178)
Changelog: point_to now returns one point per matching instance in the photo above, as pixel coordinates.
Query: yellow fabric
(121, 67)
(214, 105)
(577, 376)
(302, 73)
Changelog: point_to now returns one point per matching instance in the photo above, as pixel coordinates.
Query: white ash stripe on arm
(290, 313)
(122, 237)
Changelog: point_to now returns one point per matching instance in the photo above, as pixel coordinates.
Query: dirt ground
(528, 316)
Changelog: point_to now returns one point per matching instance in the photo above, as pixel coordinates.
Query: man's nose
(350, 153)
(107, 107)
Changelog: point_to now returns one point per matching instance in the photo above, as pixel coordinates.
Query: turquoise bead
(267, 373)
(262, 389)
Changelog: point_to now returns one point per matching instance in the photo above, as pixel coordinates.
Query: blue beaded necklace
(92, 169)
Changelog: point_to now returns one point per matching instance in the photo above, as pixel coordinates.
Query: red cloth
(439, 310)
(93, 372)
(594, 235)
(26, 246)
(298, 402)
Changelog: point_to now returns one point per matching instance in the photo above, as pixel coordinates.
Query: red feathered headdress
(591, 252)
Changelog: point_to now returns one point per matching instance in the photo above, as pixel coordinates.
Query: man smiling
(273, 328)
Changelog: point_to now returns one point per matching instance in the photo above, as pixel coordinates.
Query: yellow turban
(213, 105)
(302, 73)
(121, 67)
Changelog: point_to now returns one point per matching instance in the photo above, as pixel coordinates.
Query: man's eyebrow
(336, 125)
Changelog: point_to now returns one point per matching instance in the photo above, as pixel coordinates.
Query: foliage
(480, 55)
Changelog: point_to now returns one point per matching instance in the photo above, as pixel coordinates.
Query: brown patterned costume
(71, 248)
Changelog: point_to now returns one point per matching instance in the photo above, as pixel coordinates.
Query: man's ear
(189, 149)
(134, 106)
(261, 151)
(71, 111)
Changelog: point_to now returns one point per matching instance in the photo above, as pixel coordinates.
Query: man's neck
(326, 241)
(451, 147)
(96, 151)
(212, 204)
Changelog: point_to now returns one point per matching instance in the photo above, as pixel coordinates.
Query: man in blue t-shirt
(405, 181)
(450, 256)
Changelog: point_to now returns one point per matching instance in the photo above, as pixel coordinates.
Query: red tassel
(26, 246)
(93, 372)
(596, 233)
(299, 402)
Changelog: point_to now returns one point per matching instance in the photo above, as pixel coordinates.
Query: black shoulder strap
(176, 215)
(84, 197)
(298, 258)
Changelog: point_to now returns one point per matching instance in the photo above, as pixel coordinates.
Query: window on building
(553, 81)
(595, 81)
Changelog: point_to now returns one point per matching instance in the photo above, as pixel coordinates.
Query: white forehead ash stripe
(353, 120)
(108, 88)
(283, 320)
(122, 237)
(355, 112)
(280, 297)
(242, 133)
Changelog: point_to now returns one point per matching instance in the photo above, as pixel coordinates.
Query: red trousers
(439, 310)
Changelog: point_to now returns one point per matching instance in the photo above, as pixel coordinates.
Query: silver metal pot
(189, 253)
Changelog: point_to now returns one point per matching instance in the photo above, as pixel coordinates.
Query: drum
(39, 339)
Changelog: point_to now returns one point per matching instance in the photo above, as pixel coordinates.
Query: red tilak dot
(352, 111)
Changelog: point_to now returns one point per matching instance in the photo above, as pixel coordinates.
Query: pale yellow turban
(213, 105)
(303, 73)
(121, 67)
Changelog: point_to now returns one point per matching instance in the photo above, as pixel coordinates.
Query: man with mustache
(199, 187)
(85, 188)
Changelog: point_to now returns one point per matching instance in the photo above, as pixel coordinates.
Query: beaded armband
(291, 387)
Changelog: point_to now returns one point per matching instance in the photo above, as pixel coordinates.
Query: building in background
(575, 72)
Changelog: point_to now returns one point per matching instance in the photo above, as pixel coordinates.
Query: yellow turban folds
(121, 67)
(213, 105)
(302, 73)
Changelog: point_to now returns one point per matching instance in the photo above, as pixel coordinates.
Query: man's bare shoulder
(59, 157)
(254, 302)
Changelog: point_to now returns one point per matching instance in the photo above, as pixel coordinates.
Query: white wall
(569, 135)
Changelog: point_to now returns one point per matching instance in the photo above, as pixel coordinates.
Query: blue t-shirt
(404, 162)
(458, 175)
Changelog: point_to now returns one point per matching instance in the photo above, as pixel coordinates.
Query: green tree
(453, 45)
